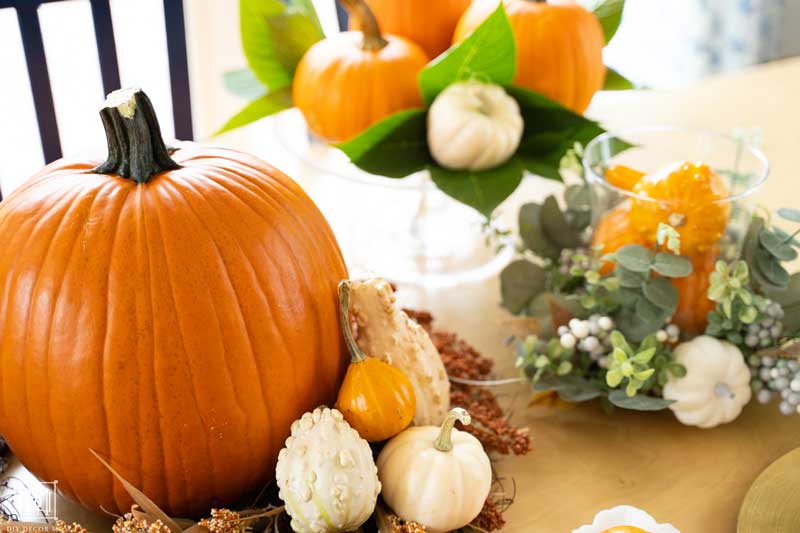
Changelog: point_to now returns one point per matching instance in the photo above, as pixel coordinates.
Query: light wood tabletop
(584, 460)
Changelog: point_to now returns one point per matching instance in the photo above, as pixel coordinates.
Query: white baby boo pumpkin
(716, 385)
(473, 126)
(326, 475)
(437, 477)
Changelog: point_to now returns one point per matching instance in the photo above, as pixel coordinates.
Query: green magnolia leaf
(243, 83)
(616, 81)
(777, 246)
(482, 190)
(789, 214)
(487, 54)
(274, 37)
(520, 282)
(662, 293)
(266, 105)
(532, 233)
(609, 13)
(550, 131)
(770, 269)
(672, 266)
(292, 34)
(640, 402)
(555, 225)
(306, 7)
(634, 257)
(395, 147)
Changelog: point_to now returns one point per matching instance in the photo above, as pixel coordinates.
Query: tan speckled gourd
(386, 332)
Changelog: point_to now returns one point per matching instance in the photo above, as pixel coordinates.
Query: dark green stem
(356, 355)
(136, 149)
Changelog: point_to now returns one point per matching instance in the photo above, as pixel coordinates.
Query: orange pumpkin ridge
(366, 77)
(429, 24)
(174, 312)
(559, 47)
(691, 315)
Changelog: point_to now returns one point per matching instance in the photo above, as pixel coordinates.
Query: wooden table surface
(584, 460)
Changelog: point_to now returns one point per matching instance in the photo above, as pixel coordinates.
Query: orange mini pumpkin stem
(136, 149)
(356, 355)
(359, 10)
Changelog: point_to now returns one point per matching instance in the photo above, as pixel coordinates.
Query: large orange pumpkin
(351, 80)
(174, 311)
(428, 23)
(559, 47)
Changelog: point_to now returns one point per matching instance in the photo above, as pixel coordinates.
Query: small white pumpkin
(625, 515)
(716, 386)
(436, 476)
(473, 126)
(326, 475)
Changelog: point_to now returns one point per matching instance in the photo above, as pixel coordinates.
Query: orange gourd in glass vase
(559, 47)
(350, 80)
(174, 310)
(428, 23)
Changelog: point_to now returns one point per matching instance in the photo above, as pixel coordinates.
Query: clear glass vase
(741, 168)
(405, 230)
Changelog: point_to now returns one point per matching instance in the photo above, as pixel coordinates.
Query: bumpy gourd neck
(136, 149)
(356, 355)
(444, 442)
(360, 11)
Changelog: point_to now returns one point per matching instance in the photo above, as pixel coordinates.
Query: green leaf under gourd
(616, 81)
(261, 107)
(482, 190)
(609, 13)
(488, 54)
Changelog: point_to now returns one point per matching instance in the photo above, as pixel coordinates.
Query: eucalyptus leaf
(640, 402)
(395, 147)
(616, 81)
(662, 293)
(261, 107)
(770, 269)
(570, 388)
(649, 312)
(789, 214)
(487, 54)
(629, 279)
(634, 257)
(634, 326)
(532, 233)
(788, 296)
(776, 246)
(552, 310)
(555, 225)
(672, 266)
(482, 190)
(520, 282)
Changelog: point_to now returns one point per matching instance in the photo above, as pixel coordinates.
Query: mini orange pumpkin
(691, 197)
(429, 24)
(376, 398)
(691, 315)
(624, 529)
(174, 310)
(612, 232)
(559, 47)
(350, 80)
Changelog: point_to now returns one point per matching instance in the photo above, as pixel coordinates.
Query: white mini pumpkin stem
(443, 442)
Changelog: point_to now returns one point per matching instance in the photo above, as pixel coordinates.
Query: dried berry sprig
(131, 524)
(490, 424)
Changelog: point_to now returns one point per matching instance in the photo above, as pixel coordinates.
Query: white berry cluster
(590, 336)
(767, 330)
(669, 334)
(773, 377)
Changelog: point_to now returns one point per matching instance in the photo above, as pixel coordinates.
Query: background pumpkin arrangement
(477, 117)
(651, 308)
(133, 303)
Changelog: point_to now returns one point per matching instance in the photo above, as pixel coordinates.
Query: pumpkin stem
(360, 11)
(136, 149)
(356, 355)
(443, 442)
